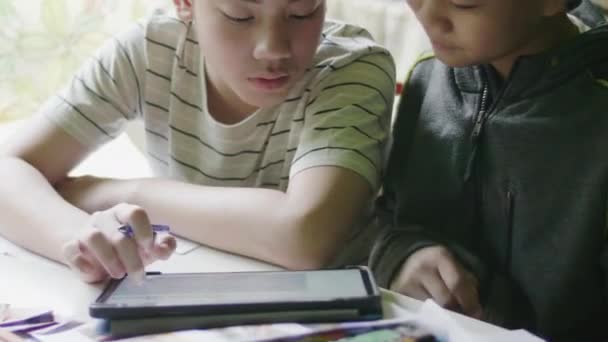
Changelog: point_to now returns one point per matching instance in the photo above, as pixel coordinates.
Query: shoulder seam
(602, 82)
(421, 58)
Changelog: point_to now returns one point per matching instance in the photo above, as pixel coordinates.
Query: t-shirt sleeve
(105, 92)
(348, 117)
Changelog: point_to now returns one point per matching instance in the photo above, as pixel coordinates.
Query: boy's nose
(273, 43)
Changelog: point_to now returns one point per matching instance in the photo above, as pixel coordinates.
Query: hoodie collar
(541, 72)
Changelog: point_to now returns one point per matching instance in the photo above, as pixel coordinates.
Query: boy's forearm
(391, 250)
(259, 223)
(396, 244)
(32, 214)
(502, 301)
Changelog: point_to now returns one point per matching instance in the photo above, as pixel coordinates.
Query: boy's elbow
(315, 245)
(306, 260)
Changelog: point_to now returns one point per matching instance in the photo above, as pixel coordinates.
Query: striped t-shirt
(337, 115)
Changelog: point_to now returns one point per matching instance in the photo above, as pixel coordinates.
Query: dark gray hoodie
(513, 179)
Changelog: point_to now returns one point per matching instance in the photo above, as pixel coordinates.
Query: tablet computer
(215, 299)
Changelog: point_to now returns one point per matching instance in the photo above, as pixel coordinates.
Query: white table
(28, 280)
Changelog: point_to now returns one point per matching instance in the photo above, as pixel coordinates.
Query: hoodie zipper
(477, 127)
(486, 110)
(484, 113)
(481, 116)
(509, 215)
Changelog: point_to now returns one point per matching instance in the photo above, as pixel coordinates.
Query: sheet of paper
(185, 246)
(430, 318)
(445, 325)
(233, 334)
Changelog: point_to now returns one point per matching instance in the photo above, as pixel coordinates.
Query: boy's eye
(237, 19)
(303, 17)
(464, 5)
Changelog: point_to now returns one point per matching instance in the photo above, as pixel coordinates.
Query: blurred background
(42, 42)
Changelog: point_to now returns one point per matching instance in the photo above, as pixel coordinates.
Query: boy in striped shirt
(265, 126)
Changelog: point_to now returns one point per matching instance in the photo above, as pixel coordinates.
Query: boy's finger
(90, 271)
(459, 282)
(127, 251)
(164, 246)
(137, 218)
(80, 259)
(438, 290)
(71, 251)
(82, 264)
(104, 252)
(468, 298)
(415, 291)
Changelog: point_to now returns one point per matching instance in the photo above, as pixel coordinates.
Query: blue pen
(127, 230)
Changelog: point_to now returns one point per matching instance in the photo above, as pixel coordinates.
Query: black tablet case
(179, 318)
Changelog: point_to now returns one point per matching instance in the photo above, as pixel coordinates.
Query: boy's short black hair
(572, 4)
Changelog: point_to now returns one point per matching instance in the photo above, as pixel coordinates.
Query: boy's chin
(456, 62)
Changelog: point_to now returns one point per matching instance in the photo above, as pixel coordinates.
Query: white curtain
(390, 22)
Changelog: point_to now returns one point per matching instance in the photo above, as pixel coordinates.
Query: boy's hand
(100, 250)
(433, 272)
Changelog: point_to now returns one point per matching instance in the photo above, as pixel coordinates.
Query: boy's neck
(556, 31)
(226, 110)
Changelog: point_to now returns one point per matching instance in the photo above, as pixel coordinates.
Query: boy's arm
(393, 246)
(42, 153)
(408, 261)
(401, 240)
(501, 300)
(29, 199)
(302, 228)
(397, 242)
(33, 215)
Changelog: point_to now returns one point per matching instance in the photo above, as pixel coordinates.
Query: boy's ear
(552, 8)
(184, 9)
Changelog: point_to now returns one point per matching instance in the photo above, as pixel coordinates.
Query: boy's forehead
(281, 3)
(288, 1)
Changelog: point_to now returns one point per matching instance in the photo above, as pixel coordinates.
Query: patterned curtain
(43, 42)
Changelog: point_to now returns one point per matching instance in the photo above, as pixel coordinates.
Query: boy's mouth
(270, 82)
(440, 46)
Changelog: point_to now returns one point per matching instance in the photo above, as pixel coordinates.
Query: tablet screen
(239, 288)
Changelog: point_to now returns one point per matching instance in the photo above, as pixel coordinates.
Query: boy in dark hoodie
(495, 196)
